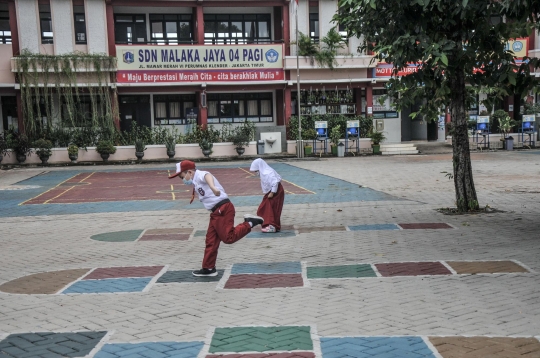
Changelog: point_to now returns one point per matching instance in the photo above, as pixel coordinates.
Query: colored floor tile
(49, 344)
(482, 347)
(344, 271)
(267, 267)
(264, 281)
(187, 276)
(265, 355)
(310, 229)
(118, 236)
(261, 339)
(151, 350)
(117, 272)
(270, 235)
(415, 226)
(371, 347)
(373, 227)
(180, 230)
(200, 233)
(412, 269)
(283, 228)
(165, 237)
(111, 285)
(43, 283)
(473, 267)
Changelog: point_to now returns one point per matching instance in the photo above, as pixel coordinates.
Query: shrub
(43, 147)
(105, 147)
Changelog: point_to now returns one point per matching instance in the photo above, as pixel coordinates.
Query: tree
(455, 43)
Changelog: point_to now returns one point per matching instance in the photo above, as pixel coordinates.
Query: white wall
(28, 25)
(327, 10)
(63, 30)
(392, 129)
(96, 26)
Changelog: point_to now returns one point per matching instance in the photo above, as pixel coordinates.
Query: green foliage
(200, 135)
(4, 146)
(335, 135)
(325, 56)
(170, 143)
(139, 145)
(155, 135)
(43, 147)
(73, 150)
(530, 108)
(504, 121)
(105, 147)
(334, 120)
(21, 145)
(243, 134)
(376, 137)
(309, 134)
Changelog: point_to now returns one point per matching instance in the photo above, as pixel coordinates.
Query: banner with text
(210, 63)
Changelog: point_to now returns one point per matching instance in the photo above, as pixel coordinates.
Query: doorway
(134, 108)
(9, 112)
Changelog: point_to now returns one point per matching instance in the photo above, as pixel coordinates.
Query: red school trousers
(270, 208)
(221, 228)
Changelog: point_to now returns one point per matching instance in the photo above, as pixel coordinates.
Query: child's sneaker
(204, 272)
(253, 219)
(269, 228)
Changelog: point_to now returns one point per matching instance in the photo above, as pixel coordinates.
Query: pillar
(13, 26)
(110, 28)
(203, 112)
(198, 15)
(287, 104)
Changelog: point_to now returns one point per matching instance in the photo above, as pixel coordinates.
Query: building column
(287, 104)
(358, 100)
(509, 101)
(13, 26)
(198, 14)
(286, 29)
(110, 28)
(115, 109)
(203, 112)
(280, 110)
(369, 100)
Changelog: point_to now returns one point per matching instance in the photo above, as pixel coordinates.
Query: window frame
(180, 18)
(172, 98)
(312, 27)
(253, 19)
(5, 39)
(385, 113)
(245, 97)
(135, 35)
(77, 12)
(45, 15)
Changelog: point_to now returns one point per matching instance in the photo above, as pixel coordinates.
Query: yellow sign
(518, 46)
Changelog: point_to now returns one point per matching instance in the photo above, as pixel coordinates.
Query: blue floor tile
(151, 350)
(109, 285)
(380, 347)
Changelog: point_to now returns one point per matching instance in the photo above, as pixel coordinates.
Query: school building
(213, 61)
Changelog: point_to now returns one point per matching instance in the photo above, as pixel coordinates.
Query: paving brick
(344, 271)
(473, 267)
(165, 237)
(264, 281)
(368, 347)
(264, 355)
(118, 236)
(117, 272)
(367, 227)
(422, 226)
(43, 283)
(151, 350)
(261, 339)
(412, 269)
(310, 229)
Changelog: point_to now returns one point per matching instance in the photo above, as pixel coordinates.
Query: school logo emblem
(272, 56)
(517, 46)
(128, 56)
(201, 191)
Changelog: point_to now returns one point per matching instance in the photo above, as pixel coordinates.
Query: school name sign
(211, 63)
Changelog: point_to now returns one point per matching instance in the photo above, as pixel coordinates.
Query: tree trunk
(466, 199)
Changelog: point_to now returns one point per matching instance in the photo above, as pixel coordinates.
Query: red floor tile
(412, 269)
(116, 272)
(265, 355)
(264, 281)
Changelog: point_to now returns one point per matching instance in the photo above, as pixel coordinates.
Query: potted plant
(21, 147)
(309, 135)
(3, 148)
(170, 144)
(206, 147)
(240, 140)
(376, 139)
(73, 153)
(505, 127)
(139, 149)
(335, 135)
(310, 97)
(43, 149)
(105, 148)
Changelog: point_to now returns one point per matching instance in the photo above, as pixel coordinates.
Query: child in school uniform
(221, 227)
(274, 195)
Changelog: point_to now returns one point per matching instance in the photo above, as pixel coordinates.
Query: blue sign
(272, 55)
(128, 57)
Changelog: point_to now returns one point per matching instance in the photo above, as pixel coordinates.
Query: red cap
(182, 167)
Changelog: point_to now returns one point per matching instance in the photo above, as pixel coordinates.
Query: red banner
(187, 76)
(385, 70)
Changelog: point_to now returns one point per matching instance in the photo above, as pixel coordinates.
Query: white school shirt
(206, 195)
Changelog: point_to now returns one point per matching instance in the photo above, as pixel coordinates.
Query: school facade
(209, 61)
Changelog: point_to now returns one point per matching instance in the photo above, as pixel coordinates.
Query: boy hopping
(221, 226)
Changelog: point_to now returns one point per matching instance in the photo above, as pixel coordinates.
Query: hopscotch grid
(101, 343)
(155, 278)
(304, 274)
(74, 282)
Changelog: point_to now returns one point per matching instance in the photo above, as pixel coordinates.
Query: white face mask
(187, 181)
(257, 173)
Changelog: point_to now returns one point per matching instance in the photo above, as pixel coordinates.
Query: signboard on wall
(210, 63)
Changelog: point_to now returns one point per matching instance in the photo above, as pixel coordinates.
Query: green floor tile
(118, 236)
(345, 271)
(261, 339)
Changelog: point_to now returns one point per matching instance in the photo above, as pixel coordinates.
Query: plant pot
(73, 158)
(376, 148)
(333, 148)
(1, 157)
(207, 152)
(21, 158)
(44, 159)
(240, 151)
(139, 155)
(308, 150)
(105, 156)
(171, 153)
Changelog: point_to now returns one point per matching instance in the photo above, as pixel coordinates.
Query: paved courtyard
(364, 265)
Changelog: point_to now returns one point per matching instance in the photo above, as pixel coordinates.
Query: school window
(383, 105)
(130, 29)
(239, 107)
(45, 21)
(237, 29)
(5, 30)
(314, 26)
(80, 25)
(171, 29)
(172, 109)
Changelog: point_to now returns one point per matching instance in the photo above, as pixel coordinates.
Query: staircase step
(399, 152)
(398, 145)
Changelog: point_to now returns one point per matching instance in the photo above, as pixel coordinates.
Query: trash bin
(341, 150)
(509, 143)
(260, 147)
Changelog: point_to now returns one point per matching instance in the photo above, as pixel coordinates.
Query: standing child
(274, 195)
(221, 226)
